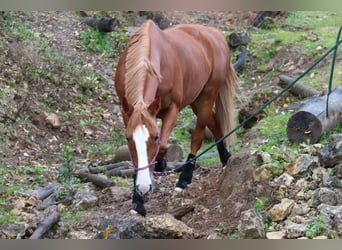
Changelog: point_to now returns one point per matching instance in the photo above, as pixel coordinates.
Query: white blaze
(140, 136)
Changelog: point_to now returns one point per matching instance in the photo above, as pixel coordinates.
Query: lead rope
(153, 161)
(332, 72)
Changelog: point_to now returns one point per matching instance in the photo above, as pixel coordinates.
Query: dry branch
(311, 120)
(45, 225)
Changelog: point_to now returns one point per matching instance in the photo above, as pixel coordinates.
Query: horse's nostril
(144, 189)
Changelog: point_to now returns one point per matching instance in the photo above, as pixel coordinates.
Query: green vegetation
(260, 204)
(111, 44)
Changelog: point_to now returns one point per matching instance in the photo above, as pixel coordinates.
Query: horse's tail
(225, 104)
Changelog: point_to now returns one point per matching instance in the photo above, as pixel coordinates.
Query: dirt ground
(214, 203)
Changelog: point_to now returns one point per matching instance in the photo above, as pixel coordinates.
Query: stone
(323, 195)
(302, 165)
(53, 121)
(335, 215)
(251, 225)
(261, 173)
(331, 155)
(117, 194)
(163, 226)
(294, 230)
(275, 235)
(338, 171)
(85, 200)
(285, 179)
(279, 211)
(332, 182)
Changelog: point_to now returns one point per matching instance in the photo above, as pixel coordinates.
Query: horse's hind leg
(202, 107)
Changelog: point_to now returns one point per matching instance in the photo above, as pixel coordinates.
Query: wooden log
(45, 225)
(299, 88)
(98, 180)
(122, 154)
(311, 120)
(109, 167)
(102, 24)
(46, 191)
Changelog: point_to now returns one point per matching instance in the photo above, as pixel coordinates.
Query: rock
(112, 228)
(53, 121)
(321, 237)
(261, 173)
(285, 178)
(279, 211)
(302, 165)
(323, 195)
(275, 235)
(331, 182)
(294, 230)
(263, 157)
(13, 231)
(251, 225)
(331, 155)
(335, 214)
(338, 171)
(117, 194)
(165, 226)
(301, 209)
(85, 200)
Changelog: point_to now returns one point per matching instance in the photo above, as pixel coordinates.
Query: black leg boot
(223, 153)
(137, 201)
(186, 175)
(160, 165)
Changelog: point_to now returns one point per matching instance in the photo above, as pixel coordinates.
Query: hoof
(160, 166)
(182, 184)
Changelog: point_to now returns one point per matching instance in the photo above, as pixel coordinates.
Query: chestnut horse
(160, 73)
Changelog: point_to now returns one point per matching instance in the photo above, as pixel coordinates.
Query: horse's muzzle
(144, 191)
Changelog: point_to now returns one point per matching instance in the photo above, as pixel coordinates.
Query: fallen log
(98, 180)
(45, 225)
(109, 167)
(102, 24)
(46, 191)
(311, 120)
(299, 88)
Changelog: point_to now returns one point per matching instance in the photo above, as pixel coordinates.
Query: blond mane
(138, 65)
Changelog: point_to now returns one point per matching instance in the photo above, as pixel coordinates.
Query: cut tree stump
(311, 120)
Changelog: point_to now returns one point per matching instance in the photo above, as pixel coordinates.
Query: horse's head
(143, 141)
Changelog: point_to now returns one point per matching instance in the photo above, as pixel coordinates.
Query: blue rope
(332, 72)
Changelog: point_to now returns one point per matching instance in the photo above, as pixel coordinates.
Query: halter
(153, 161)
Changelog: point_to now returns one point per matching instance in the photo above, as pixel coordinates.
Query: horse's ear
(155, 106)
(127, 109)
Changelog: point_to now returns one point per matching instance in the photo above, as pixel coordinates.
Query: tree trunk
(311, 120)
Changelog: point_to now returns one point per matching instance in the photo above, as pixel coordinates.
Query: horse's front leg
(169, 119)
(137, 200)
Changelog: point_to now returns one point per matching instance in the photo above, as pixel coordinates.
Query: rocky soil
(245, 199)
